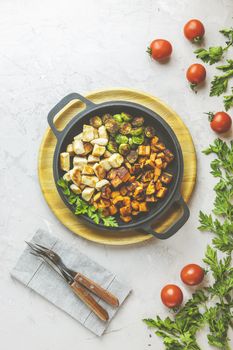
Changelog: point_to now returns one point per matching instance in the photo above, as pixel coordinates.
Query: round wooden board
(45, 167)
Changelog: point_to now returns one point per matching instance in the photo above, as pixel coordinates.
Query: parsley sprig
(215, 53)
(83, 208)
(212, 305)
(228, 101)
(220, 83)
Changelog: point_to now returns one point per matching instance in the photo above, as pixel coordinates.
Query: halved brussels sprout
(106, 117)
(121, 139)
(126, 117)
(137, 131)
(132, 156)
(138, 121)
(138, 140)
(125, 128)
(118, 118)
(112, 146)
(149, 131)
(112, 126)
(96, 121)
(124, 149)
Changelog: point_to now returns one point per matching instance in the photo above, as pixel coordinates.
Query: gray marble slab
(38, 276)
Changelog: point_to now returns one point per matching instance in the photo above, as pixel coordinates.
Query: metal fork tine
(33, 247)
(42, 247)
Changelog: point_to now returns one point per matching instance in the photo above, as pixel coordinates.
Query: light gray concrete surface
(48, 49)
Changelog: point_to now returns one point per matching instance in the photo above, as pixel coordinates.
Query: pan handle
(60, 105)
(174, 227)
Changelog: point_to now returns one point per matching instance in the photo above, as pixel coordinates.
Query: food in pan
(116, 167)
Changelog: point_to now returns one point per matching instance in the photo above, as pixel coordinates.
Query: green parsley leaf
(211, 56)
(220, 83)
(228, 101)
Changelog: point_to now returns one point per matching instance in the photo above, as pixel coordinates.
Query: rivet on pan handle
(174, 227)
(60, 105)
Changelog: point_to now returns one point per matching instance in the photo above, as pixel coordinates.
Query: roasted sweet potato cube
(126, 218)
(166, 178)
(135, 205)
(112, 174)
(136, 169)
(117, 199)
(105, 212)
(141, 197)
(127, 201)
(161, 193)
(153, 156)
(154, 140)
(139, 189)
(143, 206)
(96, 197)
(144, 150)
(151, 199)
(135, 212)
(148, 176)
(132, 179)
(142, 160)
(158, 185)
(158, 162)
(157, 171)
(106, 192)
(169, 156)
(161, 155)
(151, 188)
(160, 146)
(115, 194)
(116, 181)
(112, 210)
(125, 211)
(165, 164)
(126, 177)
(128, 165)
(149, 164)
(123, 190)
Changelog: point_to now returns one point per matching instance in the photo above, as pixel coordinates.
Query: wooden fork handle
(95, 288)
(89, 301)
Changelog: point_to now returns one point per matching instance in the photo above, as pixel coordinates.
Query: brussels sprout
(125, 128)
(118, 118)
(132, 145)
(112, 126)
(132, 156)
(126, 117)
(138, 121)
(137, 131)
(138, 140)
(124, 149)
(96, 121)
(149, 131)
(106, 117)
(112, 146)
(121, 139)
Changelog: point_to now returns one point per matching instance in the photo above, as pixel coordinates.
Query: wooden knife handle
(95, 288)
(89, 301)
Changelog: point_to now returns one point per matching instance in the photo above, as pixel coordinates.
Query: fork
(76, 279)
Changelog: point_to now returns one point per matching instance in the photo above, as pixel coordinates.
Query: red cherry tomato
(194, 30)
(160, 49)
(171, 296)
(196, 74)
(192, 274)
(220, 122)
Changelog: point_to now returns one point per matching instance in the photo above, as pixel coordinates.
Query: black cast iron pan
(143, 222)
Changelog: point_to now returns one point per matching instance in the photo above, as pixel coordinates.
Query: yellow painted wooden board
(45, 166)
